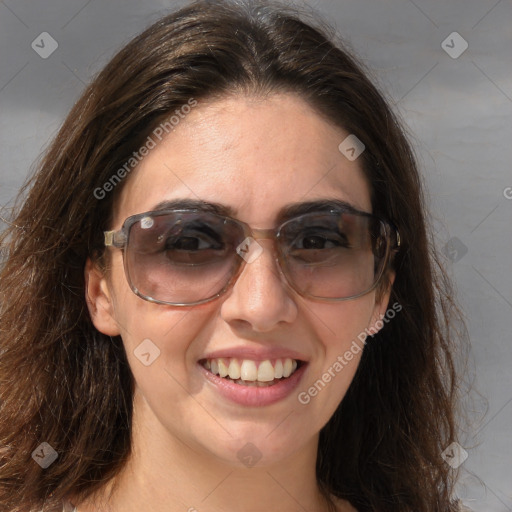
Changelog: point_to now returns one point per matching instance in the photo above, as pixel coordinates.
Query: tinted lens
(182, 257)
(333, 255)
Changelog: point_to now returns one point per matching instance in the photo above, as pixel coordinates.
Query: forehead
(253, 154)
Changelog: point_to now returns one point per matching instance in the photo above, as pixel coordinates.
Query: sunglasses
(189, 257)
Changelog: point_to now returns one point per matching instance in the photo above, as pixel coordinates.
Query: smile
(253, 382)
(247, 372)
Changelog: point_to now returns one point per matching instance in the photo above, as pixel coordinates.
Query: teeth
(234, 369)
(250, 372)
(223, 369)
(287, 368)
(265, 372)
(253, 383)
(278, 369)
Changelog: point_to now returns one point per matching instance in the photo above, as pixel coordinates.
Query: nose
(260, 297)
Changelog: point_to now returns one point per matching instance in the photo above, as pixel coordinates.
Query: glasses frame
(119, 239)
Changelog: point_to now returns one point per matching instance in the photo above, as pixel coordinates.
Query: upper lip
(255, 354)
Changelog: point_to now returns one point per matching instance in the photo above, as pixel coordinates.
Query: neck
(163, 474)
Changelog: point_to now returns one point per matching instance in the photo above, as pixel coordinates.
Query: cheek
(341, 330)
(338, 324)
(162, 346)
(137, 318)
(172, 333)
(160, 341)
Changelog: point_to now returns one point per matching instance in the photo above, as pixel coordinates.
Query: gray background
(458, 112)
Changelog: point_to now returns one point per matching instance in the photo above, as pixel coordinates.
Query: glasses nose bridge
(263, 234)
(271, 234)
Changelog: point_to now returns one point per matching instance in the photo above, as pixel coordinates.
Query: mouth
(253, 382)
(247, 372)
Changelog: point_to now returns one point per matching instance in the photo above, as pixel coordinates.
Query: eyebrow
(286, 212)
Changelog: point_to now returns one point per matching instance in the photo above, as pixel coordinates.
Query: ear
(99, 300)
(381, 302)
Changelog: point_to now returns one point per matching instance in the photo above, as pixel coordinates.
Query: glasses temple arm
(397, 234)
(115, 238)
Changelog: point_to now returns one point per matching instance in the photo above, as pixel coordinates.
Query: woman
(219, 292)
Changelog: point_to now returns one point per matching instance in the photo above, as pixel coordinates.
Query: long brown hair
(66, 384)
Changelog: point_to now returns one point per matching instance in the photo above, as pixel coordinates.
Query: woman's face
(254, 156)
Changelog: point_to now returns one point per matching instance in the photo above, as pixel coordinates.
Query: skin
(255, 155)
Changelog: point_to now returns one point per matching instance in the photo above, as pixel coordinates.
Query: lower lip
(253, 396)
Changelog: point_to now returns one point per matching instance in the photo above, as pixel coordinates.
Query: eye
(319, 247)
(193, 240)
(194, 245)
(319, 240)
